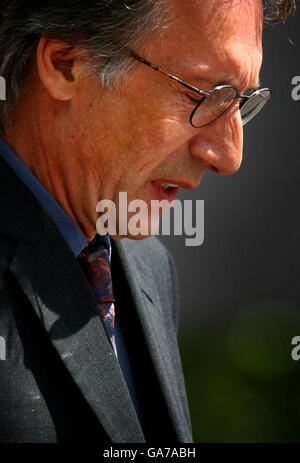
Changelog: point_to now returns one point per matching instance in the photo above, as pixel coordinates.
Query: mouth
(164, 190)
(168, 189)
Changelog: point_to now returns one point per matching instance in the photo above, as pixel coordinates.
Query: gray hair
(104, 29)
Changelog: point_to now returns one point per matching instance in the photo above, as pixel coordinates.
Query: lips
(168, 188)
(164, 190)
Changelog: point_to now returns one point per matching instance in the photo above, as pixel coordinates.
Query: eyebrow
(216, 83)
(254, 86)
(204, 73)
(223, 80)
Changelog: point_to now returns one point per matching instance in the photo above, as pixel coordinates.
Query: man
(86, 118)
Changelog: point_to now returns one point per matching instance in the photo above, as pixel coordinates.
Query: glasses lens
(213, 106)
(254, 104)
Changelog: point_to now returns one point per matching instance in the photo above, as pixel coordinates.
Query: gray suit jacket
(60, 380)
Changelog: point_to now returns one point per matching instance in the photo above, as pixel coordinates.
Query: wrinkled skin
(87, 143)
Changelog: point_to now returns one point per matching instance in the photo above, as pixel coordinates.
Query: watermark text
(138, 218)
(296, 88)
(295, 354)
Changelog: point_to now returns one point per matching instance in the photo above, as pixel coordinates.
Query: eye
(242, 102)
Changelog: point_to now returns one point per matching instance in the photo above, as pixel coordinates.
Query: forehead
(217, 36)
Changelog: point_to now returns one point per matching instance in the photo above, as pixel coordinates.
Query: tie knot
(99, 247)
(95, 262)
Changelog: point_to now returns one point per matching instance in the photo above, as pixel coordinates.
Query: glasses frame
(244, 98)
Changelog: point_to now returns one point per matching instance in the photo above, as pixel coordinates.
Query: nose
(219, 145)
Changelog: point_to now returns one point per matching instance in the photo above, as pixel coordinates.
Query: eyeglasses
(217, 100)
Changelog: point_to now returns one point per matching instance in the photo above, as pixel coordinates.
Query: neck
(45, 154)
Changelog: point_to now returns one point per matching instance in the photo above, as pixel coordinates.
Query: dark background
(240, 303)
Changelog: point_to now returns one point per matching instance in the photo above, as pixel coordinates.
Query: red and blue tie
(95, 262)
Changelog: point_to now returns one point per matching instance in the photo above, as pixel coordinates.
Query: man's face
(137, 136)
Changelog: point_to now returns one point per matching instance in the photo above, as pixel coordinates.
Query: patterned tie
(95, 262)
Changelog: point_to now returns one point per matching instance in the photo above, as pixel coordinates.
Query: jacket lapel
(62, 299)
(147, 303)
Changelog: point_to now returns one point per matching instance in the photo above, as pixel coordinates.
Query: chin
(139, 229)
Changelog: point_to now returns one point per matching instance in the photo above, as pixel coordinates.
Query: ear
(57, 64)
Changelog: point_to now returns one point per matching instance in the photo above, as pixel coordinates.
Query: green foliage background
(242, 383)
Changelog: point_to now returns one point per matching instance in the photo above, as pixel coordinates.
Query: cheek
(133, 137)
(152, 119)
(150, 142)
